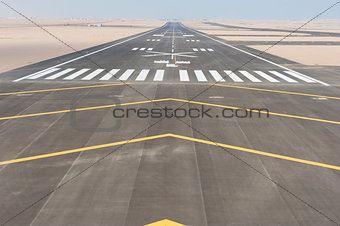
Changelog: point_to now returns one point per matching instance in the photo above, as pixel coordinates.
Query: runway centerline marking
(168, 99)
(231, 147)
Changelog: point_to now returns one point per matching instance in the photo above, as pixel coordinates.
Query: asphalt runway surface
(65, 160)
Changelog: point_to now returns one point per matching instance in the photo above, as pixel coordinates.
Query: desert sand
(308, 54)
(22, 43)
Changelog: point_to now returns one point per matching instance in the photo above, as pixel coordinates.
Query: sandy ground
(305, 54)
(23, 44)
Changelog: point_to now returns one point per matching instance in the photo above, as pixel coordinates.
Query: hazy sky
(180, 9)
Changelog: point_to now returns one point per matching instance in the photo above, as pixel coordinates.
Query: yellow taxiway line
(167, 99)
(230, 147)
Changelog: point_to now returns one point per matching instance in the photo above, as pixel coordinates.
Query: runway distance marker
(231, 147)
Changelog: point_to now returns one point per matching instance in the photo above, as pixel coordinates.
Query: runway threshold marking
(60, 89)
(167, 99)
(277, 91)
(231, 147)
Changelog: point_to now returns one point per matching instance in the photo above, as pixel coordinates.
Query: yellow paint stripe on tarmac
(174, 136)
(256, 152)
(278, 91)
(81, 149)
(270, 113)
(166, 99)
(80, 109)
(60, 89)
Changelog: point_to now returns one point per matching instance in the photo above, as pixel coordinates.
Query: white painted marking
(197, 40)
(161, 61)
(216, 76)
(158, 40)
(158, 35)
(261, 58)
(264, 75)
(188, 40)
(278, 74)
(233, 76)
(159, 75)
(109, 75)
(148, 40)
(126, 74)
(171, 65)
(200, 76)
(134, 49)
(300, 77)
(83, 56)
(44, 73)
(188, 35)
(250, 76)
(211, 50)
(192, 40)
(153, 40)
(142, 49)
(93, 74)
(142, 75)
(60, 73)
(149, 49)
(203, 50)
(216, 97)
(183, 62)
(195, 49)
(76, 74)
(183, 76)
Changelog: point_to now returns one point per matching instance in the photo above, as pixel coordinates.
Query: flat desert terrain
(311, 46)
(22, 43)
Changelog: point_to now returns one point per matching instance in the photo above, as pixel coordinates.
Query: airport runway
(67, 161)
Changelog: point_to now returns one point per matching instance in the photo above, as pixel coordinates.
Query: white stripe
(97, 51)
(188, 40)
(200, 76)
(149, 49)
(134, 49)
(142, 49)
(142, 75)
(158, 40)
(148, 40)
(109, 75)
(60, 73)
(202, 49)
(216, 76)
(93, 74)
(195, 49)
(282, 76)
(183, 76)
(233, 76)
(126, 74)
(44, 73)
(153, 40)
(300, 77)
(253, 55)
(76, 74)
(197, 40)
(250, 76)
(192, 40)
(211, 50)
(159, 75)
(264, 75)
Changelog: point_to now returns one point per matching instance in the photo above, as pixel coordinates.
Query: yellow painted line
(256, 152)
(278, 91)
(80, 109)
(270, 113)
(166, 99)
(60, 89)
(174, 136)
(81, 149)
